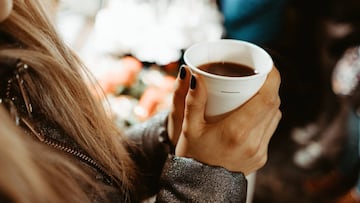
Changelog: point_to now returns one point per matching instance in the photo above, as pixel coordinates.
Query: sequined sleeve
(186, 180)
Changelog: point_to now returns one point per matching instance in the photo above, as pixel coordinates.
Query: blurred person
(43, 89)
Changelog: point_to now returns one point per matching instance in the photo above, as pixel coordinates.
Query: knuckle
(191, 104)
(272, 101)
(277, 76)
(252, 151)
(186, 131)
(236, 135)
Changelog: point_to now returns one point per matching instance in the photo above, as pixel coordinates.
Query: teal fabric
(350, 159)
(350, 156)
(257, 21)
(357, 128)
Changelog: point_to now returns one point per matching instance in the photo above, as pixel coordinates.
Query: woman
(42, 86)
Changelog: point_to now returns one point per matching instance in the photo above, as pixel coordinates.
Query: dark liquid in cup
(228, 69)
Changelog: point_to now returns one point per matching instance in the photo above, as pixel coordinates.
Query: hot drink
(232, 71)
(228, 69)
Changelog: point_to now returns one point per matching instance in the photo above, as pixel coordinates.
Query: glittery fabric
(186, 180)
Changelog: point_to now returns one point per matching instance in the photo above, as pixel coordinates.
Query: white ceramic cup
(227, 93)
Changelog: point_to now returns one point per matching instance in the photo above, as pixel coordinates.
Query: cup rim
(210, 75)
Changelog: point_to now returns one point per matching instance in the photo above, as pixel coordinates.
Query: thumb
(195, 104)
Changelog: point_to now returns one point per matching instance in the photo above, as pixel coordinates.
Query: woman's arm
(182, 179)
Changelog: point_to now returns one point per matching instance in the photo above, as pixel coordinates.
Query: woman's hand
(238, 142)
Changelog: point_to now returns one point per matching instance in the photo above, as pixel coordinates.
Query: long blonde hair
(57, 90)
(31, 172)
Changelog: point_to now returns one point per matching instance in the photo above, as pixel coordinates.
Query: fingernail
(193, 82)
(182, 72)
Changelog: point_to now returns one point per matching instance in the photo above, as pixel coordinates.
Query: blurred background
(134, 49)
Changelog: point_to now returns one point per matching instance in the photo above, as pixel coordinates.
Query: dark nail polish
(193, 82)
(182, 72)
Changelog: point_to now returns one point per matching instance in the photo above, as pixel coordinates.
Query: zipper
(22, 68)
(81, 156)
(62, 147)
